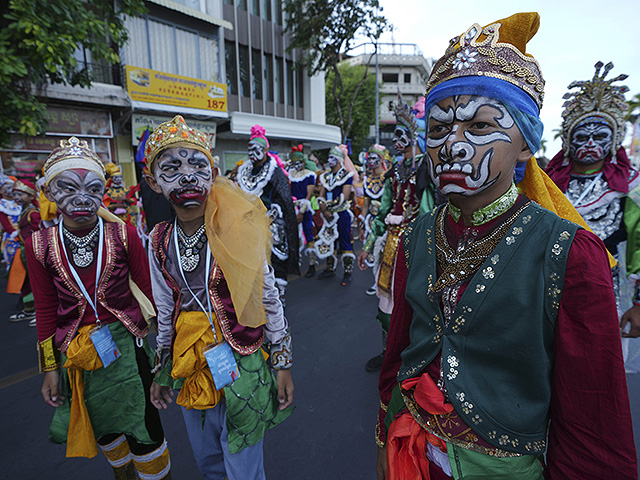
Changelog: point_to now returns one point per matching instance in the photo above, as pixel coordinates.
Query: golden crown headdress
(596, 98)
(72, 153)
(175, 133)
(497, 50)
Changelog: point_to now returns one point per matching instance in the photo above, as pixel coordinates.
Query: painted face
(184, 175)
(22, 198)
(401, 139)
(117, 181)
(373, 160)
(332, 161)
(256, 152)
(472, 144)
(591, 142)
(7, 191)
(78, 194)
(296, 166)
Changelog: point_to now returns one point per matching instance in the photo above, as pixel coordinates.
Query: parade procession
(270, 239)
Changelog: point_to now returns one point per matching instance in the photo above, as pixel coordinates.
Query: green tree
(327, 31)
(364, 109)
(38, 40)
(634, 109)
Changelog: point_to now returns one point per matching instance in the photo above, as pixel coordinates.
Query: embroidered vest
(114, 293)
(244, 340)
(497, 349)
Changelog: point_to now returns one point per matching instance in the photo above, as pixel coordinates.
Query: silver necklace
(82, 247)
(190, 247)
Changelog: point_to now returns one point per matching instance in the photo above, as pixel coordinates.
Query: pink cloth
(615, 171)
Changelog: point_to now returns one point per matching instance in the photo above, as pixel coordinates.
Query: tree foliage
(38, 40)
(633, 113)
(364, 108)
(327, 31)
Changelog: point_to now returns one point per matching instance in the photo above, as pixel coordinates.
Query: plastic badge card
(105, 345)
(222, 364)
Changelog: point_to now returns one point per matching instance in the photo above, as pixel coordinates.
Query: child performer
(217, 303)
(92, 319)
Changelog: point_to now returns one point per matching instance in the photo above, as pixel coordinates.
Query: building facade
(222, 64)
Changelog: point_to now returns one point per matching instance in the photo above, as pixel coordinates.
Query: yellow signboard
(146, 85)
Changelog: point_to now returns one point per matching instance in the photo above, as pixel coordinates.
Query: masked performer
(407, 193)
(118, 198)
(24, 194)
(92, 306)
(503, 359)
(334, 200)
(302, 176)
(373, 188)
(217, 303)
(263, 177)
(594, 172)
(9, 215)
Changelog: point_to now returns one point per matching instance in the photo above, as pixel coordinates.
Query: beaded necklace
(81, 247)
(190, 246)
(491, 211)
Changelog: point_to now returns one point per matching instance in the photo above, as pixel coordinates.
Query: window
(407, 78)
(171, 49)
(254, 6)
(266, 10)
(242, 5)
(390, 77)
(195, 4)
(289, 82)
(244, 71)
(300, 77)
(268, 77)
(228, 2)
(279, 81)
(232, 68)
(278, 13)
(256, 74)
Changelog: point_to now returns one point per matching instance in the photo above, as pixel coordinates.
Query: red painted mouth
(455, 178)
(188, 195)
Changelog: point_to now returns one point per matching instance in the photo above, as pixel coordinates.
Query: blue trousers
(211, 447)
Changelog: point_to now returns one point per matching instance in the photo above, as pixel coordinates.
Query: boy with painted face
(488, 371)
(262, 176)
(217, 304)
(407, 193)
(92, 310)
(302, 176)
(594, 172)
(334, 200)
(24, 194)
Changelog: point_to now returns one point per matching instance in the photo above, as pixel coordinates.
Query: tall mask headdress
(596, 98)
(405, 118)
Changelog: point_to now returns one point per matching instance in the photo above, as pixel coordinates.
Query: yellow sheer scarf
(541, 189)
(238, 233)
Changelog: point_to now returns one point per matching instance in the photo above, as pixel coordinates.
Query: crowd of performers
(503, 291)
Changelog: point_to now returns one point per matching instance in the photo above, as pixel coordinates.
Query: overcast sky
(573, 36)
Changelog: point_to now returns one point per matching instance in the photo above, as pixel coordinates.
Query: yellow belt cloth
(540, 188)
(193, 334)
(81, 356)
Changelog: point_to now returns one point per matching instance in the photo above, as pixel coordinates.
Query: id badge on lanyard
(219, 356)
(101, 336)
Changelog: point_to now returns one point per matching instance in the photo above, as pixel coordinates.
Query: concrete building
(222, 64)
(401, 67)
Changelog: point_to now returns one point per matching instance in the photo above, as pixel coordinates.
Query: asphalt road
(330, 434)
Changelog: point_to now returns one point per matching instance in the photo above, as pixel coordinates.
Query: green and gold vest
(497, 349)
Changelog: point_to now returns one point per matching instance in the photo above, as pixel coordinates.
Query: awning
(178, 7)
(157, 107)
(316, 135)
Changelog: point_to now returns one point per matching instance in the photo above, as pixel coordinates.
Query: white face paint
(184, 175)
(332, 161)
(78, 194)
(401, 139)
(256, 152)
(373, 160)
(472, 143)
(591, 141)
(117, 181)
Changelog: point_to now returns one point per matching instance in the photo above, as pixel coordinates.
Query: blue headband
(518, 103)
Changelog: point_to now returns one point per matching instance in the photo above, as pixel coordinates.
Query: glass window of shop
(254, 6)
(268, 77)
(256, 73)
(232, 69)
(266, 10)
(25, 156)
(244, 70)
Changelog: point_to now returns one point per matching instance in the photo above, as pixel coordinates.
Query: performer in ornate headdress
(119, 198)
(24, 194)
(503, 359)
(9, 216)
(594, 172)
(93, 306)
(408, 192)
(217, 305)
(302, 176)
(262, 176)
(334, 201)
